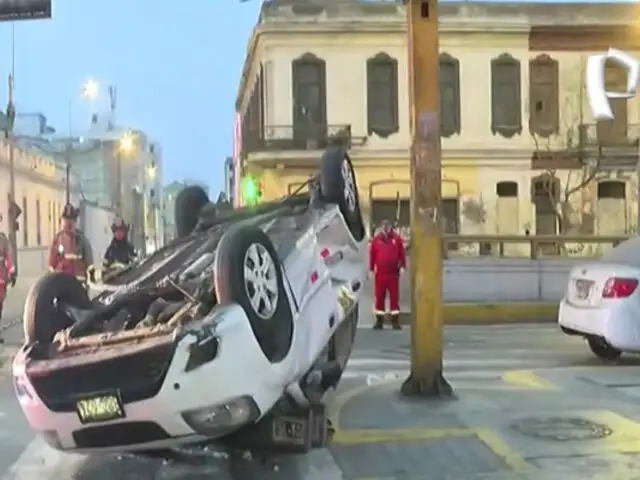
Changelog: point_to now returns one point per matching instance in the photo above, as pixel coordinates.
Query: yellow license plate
(100, 408)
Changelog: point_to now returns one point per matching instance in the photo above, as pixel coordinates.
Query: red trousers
(386, 283)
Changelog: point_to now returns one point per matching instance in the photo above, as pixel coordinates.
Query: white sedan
(602, 302)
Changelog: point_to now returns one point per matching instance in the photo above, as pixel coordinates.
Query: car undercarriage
(240, 294)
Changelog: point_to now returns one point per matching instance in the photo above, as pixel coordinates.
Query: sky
(175, 64)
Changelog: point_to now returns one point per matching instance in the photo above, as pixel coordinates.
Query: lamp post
(90, 90)
(9, 136)
(126, 146)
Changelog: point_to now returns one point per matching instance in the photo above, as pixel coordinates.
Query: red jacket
(70, 253)
(386, 254)
(7, 268)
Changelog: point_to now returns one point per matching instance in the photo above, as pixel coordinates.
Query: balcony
(615, 146)
(278, 138)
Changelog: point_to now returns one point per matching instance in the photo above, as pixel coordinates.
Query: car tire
(42, 319)
(189, 203)
(602, 349)
(272, 324)
(338, 185)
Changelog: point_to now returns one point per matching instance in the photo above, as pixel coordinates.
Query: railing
(609, 134)
(297, 137)
(526, 246)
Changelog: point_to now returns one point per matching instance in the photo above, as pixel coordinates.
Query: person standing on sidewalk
(387, 261)
(70, 251)
(8, 275)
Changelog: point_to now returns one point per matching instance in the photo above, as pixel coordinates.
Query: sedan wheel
(602, 349)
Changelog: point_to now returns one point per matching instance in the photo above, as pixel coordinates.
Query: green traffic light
(250, 191)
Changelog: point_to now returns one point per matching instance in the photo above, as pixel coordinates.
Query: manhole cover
(562, 429)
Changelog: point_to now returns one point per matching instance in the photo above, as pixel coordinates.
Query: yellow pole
(426, 378)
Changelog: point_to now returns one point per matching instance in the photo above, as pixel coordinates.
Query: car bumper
(617, 323)
(240, 370)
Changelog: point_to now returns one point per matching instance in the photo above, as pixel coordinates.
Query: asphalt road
(471, 355)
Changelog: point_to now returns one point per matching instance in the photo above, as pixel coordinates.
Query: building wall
(475, 161)
(38, 192)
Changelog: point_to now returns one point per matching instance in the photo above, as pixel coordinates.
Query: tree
(568, 150)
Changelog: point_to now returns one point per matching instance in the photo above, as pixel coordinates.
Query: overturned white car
(233, 332)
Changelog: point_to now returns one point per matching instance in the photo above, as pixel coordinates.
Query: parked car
(602, 301)
(246, 321)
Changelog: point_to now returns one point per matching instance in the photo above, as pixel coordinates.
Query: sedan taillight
(619, 287)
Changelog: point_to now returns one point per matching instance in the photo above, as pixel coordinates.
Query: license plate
(582, 289)
(100, 408)
(291, 430)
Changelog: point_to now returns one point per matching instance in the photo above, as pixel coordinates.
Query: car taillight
(619, 287)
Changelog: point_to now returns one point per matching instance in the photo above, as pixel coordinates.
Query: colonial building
(521, 151)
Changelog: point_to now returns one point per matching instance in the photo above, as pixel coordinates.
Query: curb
(494, 313)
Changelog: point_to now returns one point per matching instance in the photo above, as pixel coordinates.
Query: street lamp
(127, 143)
(90, 91)
(126, 147)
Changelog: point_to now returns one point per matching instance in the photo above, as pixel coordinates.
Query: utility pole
(118, 179)
(67, 172)
(426, 377)
(10, 137)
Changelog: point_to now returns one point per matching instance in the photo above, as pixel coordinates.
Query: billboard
(11, 10)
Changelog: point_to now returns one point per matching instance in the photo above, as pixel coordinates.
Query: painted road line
(527, 379)
(39, 461)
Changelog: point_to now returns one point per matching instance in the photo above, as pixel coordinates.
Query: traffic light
(251, 191)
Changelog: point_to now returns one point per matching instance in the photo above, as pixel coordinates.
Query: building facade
(521, 152)
(39, 192)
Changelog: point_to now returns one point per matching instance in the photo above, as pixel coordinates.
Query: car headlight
(215, 420)
(21, 387)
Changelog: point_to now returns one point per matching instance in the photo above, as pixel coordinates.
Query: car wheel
(602, 349)
(248, 273)
(338, 185)
(42, 317)
(189, 203)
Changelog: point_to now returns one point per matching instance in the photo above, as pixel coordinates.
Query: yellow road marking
(489, 437)
(527, 379)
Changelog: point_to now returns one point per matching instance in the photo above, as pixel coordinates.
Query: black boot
(395, 321)
(379, 322)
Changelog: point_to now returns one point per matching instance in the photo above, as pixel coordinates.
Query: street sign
(12, 10)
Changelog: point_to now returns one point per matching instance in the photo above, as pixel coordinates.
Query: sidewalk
(13, 308)
(474, 313)
(494, 429)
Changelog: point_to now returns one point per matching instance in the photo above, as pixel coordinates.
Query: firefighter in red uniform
(7, 270)
(386, 262)
(70, 251)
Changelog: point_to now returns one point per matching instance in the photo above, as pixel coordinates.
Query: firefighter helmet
(119, 223)
(70, 212)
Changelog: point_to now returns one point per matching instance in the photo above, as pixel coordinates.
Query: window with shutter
(544, 111)
(382, 95)
(506, 107)
(309, 99)
(450, 122)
